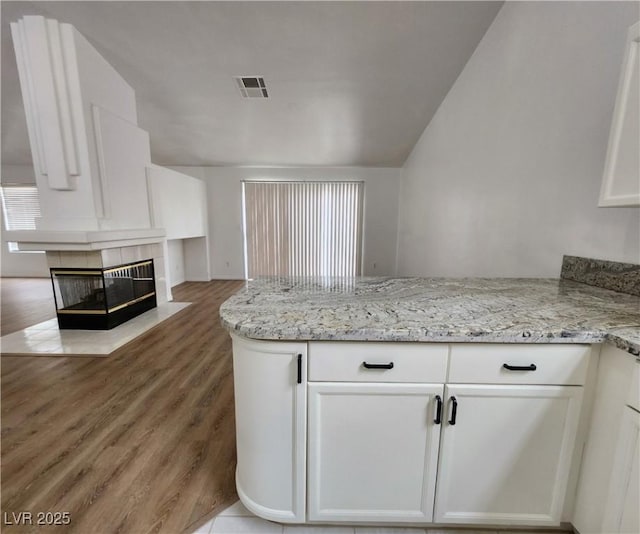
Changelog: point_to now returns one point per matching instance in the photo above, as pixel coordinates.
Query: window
(302, 228)
(21, 207)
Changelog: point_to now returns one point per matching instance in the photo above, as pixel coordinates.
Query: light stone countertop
(495, 310)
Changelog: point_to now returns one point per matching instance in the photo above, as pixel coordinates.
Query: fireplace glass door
(79, 291)
(103, 298)
(127, 284)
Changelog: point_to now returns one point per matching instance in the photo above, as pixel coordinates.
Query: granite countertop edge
(244, 314)
(588, 336)
(623, 343)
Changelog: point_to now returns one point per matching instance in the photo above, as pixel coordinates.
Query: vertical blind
(302, 228)
(21, 208)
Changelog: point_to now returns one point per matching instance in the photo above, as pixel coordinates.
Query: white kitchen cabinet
(335, 361)
(506, 455)
(373, 451)
(623, 503)
(616, 388)
(270, 402)
(621, 181)
(383, 444)
(494, 363)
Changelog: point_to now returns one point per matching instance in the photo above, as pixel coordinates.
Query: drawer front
(369, 362)
(528, 364)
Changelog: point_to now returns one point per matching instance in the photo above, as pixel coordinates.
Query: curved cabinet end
(281, 516)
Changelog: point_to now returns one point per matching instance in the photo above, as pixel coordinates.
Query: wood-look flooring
(141, 441)
(25, 302)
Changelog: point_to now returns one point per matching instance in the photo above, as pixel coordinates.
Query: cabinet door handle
(378, 365)
(299, 368)
(531, 367)
(454, 411)
(438, 418)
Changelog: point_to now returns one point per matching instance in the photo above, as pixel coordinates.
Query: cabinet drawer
(485, 364)
(345, 362)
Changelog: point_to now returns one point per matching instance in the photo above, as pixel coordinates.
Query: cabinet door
(616, 373)
(373, 451)
(270, 400)
(621, 512)
(620, 184)
(505, 458)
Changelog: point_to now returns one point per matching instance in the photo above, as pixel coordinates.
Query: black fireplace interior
(100, 299)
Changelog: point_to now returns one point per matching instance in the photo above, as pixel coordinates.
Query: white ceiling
(350, 83)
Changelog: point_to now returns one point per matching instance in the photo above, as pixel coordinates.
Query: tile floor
(46, 339)
(238, 520)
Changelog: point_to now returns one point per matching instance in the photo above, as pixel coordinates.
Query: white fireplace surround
(100, 250)
(103, 202)
(109, 257)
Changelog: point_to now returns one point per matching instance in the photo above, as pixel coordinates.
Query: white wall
(225, 211)
(179, 203)
(506, 177)
(175, 261)
(27, 264)
(196, 259)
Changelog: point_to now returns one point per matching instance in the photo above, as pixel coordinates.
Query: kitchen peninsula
(507, 310)
(421, 400)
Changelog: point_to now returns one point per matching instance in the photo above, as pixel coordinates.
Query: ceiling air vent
(252, 86)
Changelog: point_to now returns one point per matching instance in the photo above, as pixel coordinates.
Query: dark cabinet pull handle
(378, 365)
(531, 367)
(454, 411)
(299, 368)
(438, 418)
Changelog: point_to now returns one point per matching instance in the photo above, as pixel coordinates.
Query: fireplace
(102, 298)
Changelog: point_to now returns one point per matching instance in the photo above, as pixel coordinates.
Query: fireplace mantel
(48, 240)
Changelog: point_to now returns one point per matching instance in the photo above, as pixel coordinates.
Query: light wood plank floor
(141, 441)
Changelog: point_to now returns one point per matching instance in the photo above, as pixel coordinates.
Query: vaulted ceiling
(350, 83)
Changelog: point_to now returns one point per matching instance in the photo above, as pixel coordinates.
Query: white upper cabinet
(621, 182)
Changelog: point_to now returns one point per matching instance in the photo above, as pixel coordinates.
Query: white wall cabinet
(621, 181)
(270, 398)
(505, 457)
(373, 451)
